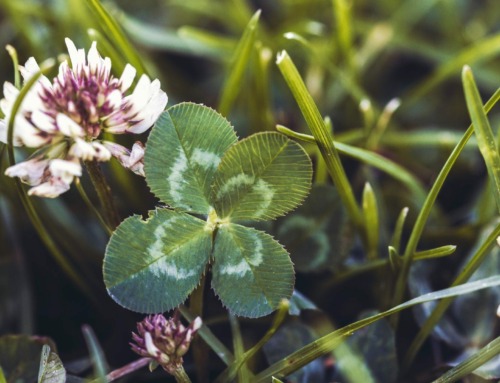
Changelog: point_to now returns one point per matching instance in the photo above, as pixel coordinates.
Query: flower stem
(125, 370)
(181, 376)
(104, 193)
(199, 348)
(91, 206)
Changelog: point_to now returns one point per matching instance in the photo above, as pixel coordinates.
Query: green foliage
(425, 218)
(186, 152)
(317, 234)
(51, 368)
(253, 259)
(261, 178)
(20, 359)
(194, 164)
(152, 266)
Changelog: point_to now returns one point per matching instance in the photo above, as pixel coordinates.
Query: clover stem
(104, 194)
(125, 370)
(198, 347)
(181, 376)
(91, 206)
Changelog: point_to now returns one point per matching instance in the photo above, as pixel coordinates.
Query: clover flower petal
(30, 172)
(164, 340)
(70, 113)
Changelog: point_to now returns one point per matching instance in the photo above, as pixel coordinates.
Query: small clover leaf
(261, 177)
(251, 272)
(182, 155)
(152, 266)
(194, 163)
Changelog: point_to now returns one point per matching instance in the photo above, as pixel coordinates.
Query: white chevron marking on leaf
(176, 177)
(267, 192)
(205, 159)
(235, 181)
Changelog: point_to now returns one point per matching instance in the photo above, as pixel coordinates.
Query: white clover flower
(66, 117)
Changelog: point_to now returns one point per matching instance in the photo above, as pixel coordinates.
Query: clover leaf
(212, 184)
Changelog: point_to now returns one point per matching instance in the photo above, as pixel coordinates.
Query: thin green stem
(181, 376)
(471, 364)
(210, 339)
(13, 55)
(230, 373)
(125, 370)
(375, 134)
(92, 207)
(425, 211)
(382, 263)
(28, 206)
(371, 158)
(104, 194)
(199, 348)
(238, 347)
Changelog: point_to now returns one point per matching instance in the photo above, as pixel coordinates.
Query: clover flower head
(164, 340)
(64, 118)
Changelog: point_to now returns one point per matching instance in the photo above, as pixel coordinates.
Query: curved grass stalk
(322, 138)
(485, 137)
(479, 358)
(92, 207)
(437, 252)
(230, 373)
(425, 211)
(28, 206)
(327, 343)
(103, 191)
(239, 63)
(443, 305)
(96, 354)
(15, 61)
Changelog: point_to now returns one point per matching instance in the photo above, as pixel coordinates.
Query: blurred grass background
(349, 53)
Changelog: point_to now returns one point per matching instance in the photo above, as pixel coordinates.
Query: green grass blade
(239, 350)
(372, 159)
(480, 51)
(442, 306)
(438, 252)
(322, 136)
(15, 62)
(328, 342)
(349, 85)
(96, 354)
(230, 373)
(210, 339)
(343, 31)
(425, 138)
(398, 230)
(485, 137)
(370, 212)
(425, 211)
(116, 35)
(479, 358)
(240, 62)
